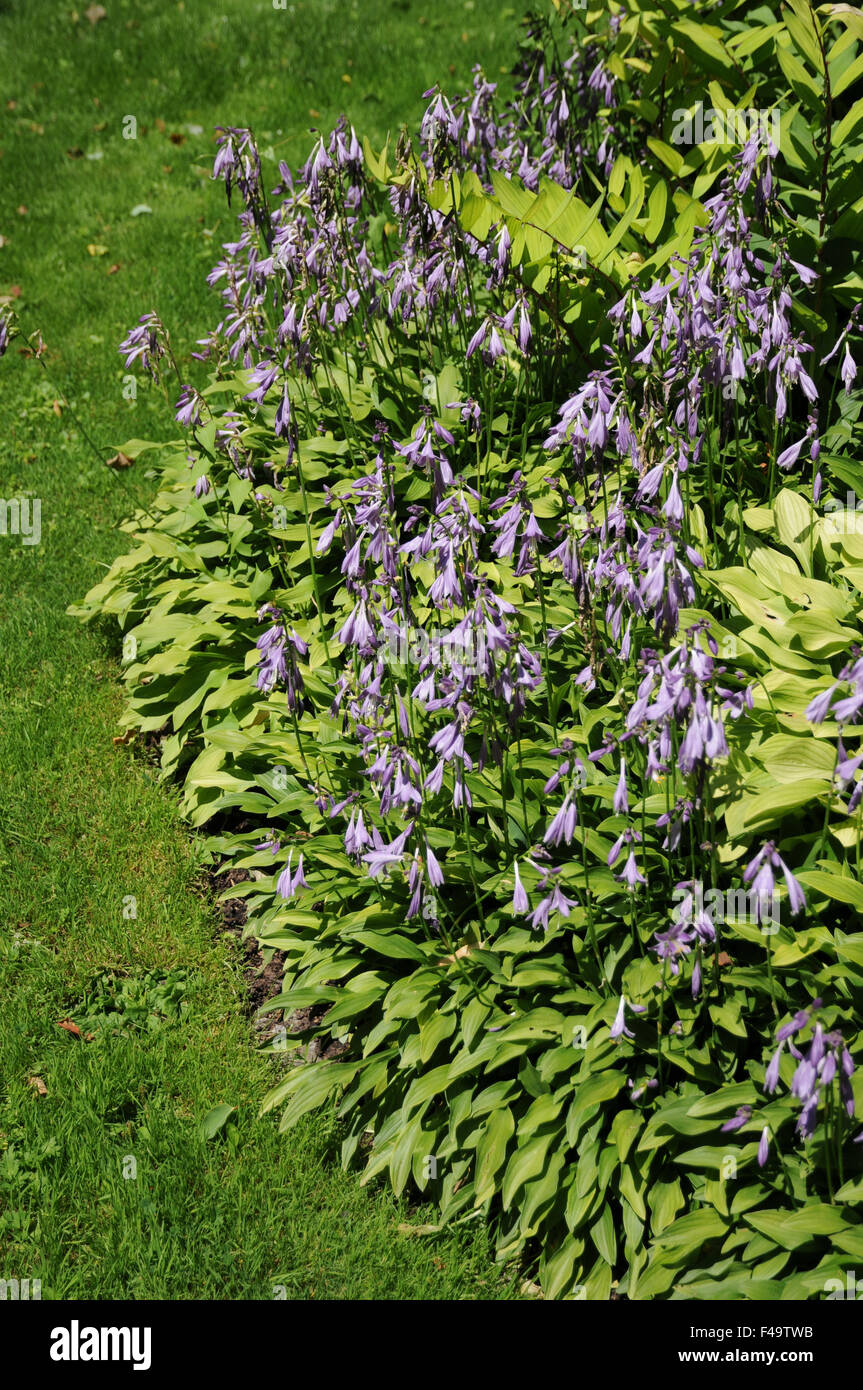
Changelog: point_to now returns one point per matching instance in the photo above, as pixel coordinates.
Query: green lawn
(84, 826)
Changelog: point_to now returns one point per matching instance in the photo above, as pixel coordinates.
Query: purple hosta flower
(420, 874)
(674, 821)
(789, 456)
(522, 331)
(563, 824)
(520, 901)
(621, 799)
(440, 129)
(849, 370)
(146, 343)
(202, 485)
(489, 340)
(618, 1027)
(826, 1061)
(763, 1146)
(691, 910)
(759, 874)
(631, 874)
(356, 835)
(602, 81)
(627, 837)
(771, 1076)
(670, 945)
(590, 419)
(237, 162)
(680, 688)
(383, 856)
(471, 415)
(554, 900)
(282, 424)
(503, 244)
(696, 976)
(289, 884)
(271, 644)
(818, 709)
(434, 872)
(279, 652)
(188, 407)
(704, 739)
(846, 771)
(358, 631)
(740, 1118)
(846, 710)
(263, 376)
(666, 582)
(272, 844)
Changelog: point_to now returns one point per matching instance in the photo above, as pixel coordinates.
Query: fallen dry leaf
(96, 12)
(38, 1085)
(15, 291)
(70, 1027)
(57, 408)
(95, 248)
(112, 269)
(176, 138)
(123, 738)
(22, 211)
(462, 951)
(120, 460)
(75, 153)
(724, 959)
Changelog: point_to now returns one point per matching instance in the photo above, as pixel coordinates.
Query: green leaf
(851, 124)
(804, 86)
(691, 1232)
(852, 74)
(491, 1152)
(527, 1162)
(603, 1237)
(791, 1229)
(766, 808)
(601, 1087)
(837, 886)
(216, 1119)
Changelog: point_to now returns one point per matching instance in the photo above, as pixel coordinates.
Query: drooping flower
(520, 902)
(763, 1146)
(619, 1026)
(288, 884)
(740, 1118)
(759, 872)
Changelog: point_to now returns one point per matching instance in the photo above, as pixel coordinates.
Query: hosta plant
(500, 609)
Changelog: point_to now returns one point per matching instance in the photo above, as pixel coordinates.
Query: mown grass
(85, 825)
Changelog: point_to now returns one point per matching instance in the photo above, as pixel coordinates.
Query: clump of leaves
(126, 1004)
